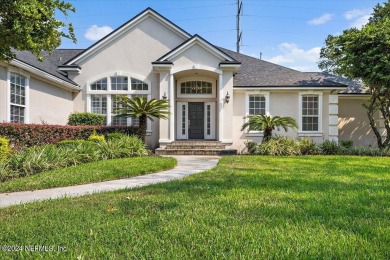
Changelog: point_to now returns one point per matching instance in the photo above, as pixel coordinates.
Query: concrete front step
(195, 147)
(160, 151)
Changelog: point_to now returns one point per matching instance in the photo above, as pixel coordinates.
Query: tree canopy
(364, 54)
(30, 25)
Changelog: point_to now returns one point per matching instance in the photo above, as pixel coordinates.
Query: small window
(119, 83)
(257, 105)
(310, 113)
(138, 85)
(196, 87)
(100, 84)
(17, 98)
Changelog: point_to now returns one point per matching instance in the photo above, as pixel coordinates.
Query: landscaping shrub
(94, 137)
(279, 146)
(307, 147)
(85, 118)
(251, 147)
(125, 146)
(330, 148)
(113, 136)
(346, 143)
(32, 160)
(27, 135)
(4, 148)
(72, 143)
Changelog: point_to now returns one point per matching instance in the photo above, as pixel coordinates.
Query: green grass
(90, 172)
(331, 207)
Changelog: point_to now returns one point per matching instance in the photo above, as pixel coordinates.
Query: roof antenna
(239, 33)
(261, 54)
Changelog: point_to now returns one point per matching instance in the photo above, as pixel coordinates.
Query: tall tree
(364, 54)
(143, 109)
(30, 25)
(268, 124)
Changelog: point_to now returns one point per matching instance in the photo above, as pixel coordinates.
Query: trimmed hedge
(27, 135)
(85, 118)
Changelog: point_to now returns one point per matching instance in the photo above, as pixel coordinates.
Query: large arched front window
(102, 96)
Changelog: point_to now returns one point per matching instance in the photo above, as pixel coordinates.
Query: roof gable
(149, 12)
(196, 40)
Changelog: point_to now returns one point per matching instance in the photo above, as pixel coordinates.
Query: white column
(220, 105)
(171, 108)
(333, 118)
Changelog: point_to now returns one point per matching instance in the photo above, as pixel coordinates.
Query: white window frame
(197, 78)
(109, 93)
(27, 94)
(266, 95)
(320, 108)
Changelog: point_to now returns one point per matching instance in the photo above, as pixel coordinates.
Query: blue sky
(286, 32)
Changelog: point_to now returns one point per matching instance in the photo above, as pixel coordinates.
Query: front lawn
(90, 172)
(332, 207)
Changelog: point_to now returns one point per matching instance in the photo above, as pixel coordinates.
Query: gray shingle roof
(354, 86)
(50, 62)
(259, 73)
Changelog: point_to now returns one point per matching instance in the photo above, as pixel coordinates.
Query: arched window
(196, 87)
(103, 93)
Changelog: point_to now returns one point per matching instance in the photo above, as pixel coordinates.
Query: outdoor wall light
(227, 98)
(164, 96)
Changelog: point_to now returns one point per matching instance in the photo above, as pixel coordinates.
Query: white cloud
(95, 32)
(321, 20)
(358, 17)
(297, 58)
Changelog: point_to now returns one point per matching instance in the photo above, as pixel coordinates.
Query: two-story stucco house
(210, 89)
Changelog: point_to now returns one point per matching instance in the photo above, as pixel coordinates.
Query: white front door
(183, 121)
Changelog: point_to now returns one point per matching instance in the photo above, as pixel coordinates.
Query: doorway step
(195, 147)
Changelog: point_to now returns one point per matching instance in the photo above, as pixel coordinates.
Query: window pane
(256, 105)
(196, 87)
(119, 83)
(100, 84)
(138, 85)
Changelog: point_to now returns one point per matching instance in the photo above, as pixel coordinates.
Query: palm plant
(139, 107)
(268, 123)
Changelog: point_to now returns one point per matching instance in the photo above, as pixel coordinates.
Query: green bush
(85, 118)
(346, 143)
(307, 147)
(29, 161)
(4, 148)
(330, 148)
(125, 146)
(28, 135)
(279, 146)
(73, 143)
(251, 147)
(94, 137)
(115, 135)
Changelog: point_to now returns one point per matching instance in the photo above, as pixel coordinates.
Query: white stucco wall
(49, 103)
(353, 122)
(281, 103)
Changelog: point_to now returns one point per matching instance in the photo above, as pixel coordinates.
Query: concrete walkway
(186, 165)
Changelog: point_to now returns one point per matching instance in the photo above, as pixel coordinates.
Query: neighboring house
(210, 89)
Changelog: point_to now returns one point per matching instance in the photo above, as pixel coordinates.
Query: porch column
(333, 118)
(171, 98)
(220, 105)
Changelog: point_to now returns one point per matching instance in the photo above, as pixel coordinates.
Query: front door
(195, 120)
